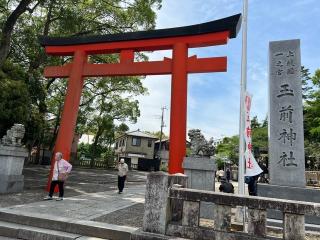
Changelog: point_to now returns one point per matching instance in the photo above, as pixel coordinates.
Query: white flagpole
(243, 87)
(240, 216)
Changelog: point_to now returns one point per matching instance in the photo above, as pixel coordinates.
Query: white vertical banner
(252, 167)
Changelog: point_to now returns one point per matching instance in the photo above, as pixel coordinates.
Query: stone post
(257, 222)
(293, 227)
(157, 209)
(12, 156)
(190, 216)
(201, 175)
(222, 217)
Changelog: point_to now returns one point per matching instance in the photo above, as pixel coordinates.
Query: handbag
(61, 176)
(247, 179)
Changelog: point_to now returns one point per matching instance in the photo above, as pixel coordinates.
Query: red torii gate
(126, 44)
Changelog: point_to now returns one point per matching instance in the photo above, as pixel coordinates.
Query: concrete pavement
(89, 194)
(86, 206)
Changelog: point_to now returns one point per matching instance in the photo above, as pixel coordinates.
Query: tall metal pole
(243, 87)
(240, 216)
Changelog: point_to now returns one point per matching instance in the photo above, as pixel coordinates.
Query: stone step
(67, 225)
(140, 235)
(19, 231)
(7, 238)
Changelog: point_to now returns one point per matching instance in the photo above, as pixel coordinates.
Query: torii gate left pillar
(178, 110)
(178, 39)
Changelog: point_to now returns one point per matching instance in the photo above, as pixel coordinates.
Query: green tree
(14, 97)
(306, 82)
(312, 122)
(265, 122)
(157, 134)
(255, 123)
(229, 148)
(8, 23)
(312, 110)
(260, 137)
(122, 128)
(66, 18)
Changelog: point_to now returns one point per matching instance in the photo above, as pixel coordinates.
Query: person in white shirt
(122, 174)
(61, 171)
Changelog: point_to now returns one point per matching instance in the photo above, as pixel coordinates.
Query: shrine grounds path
(82, 181)
(90, 194)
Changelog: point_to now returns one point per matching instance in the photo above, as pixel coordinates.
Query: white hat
(121, 160)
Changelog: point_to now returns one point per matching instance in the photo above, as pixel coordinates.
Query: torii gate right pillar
(178, 111)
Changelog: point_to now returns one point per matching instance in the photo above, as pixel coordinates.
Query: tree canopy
(28, 98)
(311, 114)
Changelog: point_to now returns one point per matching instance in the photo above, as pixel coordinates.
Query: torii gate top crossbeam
(151, 40)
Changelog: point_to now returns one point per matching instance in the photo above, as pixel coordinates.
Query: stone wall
(161, 220)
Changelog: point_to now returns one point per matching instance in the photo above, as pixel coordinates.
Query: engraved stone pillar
(286, 140)
(293, 227)
(257, 220)
(286, 135)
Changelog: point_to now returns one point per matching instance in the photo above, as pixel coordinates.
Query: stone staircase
(33, 226)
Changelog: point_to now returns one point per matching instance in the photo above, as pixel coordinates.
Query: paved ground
(90, 194)
(81, 182)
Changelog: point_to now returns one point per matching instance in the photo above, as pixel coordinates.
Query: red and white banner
(252, 167)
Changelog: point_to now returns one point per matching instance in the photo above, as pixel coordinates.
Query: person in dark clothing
(252, 185)
(122, 174)
(226, 187)
(228, 174)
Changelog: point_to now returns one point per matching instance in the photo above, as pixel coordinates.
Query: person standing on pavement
(252, 185)
(228, 174)
(122, 174)
(61, 170)
(220, 174)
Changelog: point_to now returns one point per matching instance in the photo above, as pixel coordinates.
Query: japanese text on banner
(252, 167)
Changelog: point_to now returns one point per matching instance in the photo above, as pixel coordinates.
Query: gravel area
(129, 216)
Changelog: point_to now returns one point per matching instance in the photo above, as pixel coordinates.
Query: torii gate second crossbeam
(179, 40)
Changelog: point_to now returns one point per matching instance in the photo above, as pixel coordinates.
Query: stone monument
(286, 140)
(200, 169)
(12, 155)
(286, 135)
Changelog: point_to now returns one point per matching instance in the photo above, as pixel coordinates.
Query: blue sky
(213, 98)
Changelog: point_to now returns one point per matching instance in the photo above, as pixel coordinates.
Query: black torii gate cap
(231, 24)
